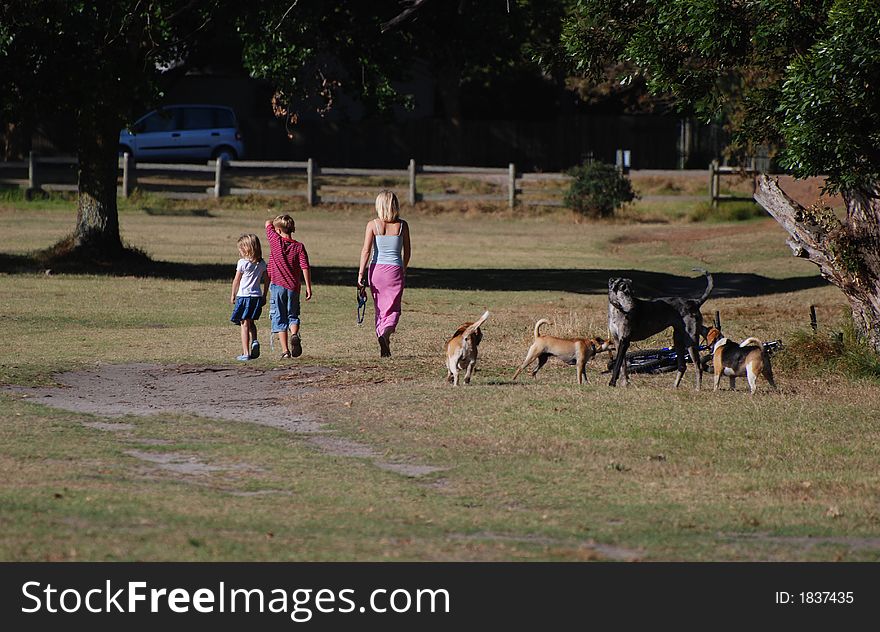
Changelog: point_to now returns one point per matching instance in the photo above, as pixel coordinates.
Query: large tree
(90, 66)
(803, 77)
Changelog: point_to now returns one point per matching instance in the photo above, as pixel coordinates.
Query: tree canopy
(800, 76)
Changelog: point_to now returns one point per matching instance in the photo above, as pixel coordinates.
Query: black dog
(631, 318)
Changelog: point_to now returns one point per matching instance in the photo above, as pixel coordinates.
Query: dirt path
(239, 394)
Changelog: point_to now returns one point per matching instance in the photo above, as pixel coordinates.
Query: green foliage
(727, 212)
(829, 106)
(598, 189)
(822, 353)
(799, 76)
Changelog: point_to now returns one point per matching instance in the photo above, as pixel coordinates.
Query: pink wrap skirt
(386, 285)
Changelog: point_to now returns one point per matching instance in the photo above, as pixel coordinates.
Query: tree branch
(415, 5)
(805, 238)
(289, 9)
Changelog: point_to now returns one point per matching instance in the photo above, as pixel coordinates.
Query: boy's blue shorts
(283, 308)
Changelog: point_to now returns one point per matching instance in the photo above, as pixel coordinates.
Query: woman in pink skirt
(386, 247)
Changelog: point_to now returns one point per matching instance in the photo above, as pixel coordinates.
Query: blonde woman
(387, 249)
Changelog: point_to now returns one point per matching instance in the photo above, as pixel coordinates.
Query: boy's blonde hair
(387, 206)
(249, 247)
(285, 224)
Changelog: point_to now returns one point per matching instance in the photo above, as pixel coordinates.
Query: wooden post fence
(218, 177)
(713, 183)
(511, 185)
(129, 179)
(715, 173)
(520, 187)
(311, 192)
(33, 178)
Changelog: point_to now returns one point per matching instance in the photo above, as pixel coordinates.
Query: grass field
(532, 470)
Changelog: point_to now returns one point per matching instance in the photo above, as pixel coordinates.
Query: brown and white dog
(746, 359)
(576, 351)
(461, 350)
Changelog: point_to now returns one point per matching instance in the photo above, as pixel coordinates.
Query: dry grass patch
(534, 469)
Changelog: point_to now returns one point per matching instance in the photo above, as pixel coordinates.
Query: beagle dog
(461, 350)
(746, 359)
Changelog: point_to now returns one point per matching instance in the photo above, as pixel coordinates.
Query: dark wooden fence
(306, 179)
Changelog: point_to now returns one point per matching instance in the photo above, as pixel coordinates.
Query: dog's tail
(538, 324)
(751, 341)
(470, 330)
(710, 284)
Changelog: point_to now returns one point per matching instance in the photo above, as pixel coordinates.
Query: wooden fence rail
(304, 179)
(223, 173)
(715, 173)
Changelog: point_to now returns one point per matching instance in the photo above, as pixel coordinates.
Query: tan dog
(461, 350)
(746, 359)
(576, 351)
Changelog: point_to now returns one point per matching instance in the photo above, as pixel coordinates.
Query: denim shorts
(247, 308)
(283, 307)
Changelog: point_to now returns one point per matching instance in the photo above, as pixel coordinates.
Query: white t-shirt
(251, 274)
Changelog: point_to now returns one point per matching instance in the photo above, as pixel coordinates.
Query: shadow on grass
(589, 281)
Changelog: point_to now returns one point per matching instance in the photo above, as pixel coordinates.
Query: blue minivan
(184, 132)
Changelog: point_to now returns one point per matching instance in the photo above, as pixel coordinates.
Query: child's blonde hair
(285, 224)
(249, 248)
(387, 206)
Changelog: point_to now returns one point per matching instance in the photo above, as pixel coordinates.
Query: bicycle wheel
(653, 365)
(650, 361)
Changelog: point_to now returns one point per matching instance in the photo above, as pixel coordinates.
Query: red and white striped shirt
(287, 259)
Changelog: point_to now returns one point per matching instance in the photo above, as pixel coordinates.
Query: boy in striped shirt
(288, 261)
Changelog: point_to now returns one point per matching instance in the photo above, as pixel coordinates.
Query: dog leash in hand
(362, 304)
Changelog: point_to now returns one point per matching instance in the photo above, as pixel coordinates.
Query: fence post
(311, 193)
(713, 183)
(218, 177)
(413, 195)
(621, 158)
(511, 185)
(129, 178)
(814, 323)
(33, 178)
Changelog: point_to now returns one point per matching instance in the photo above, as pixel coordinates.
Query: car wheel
(225, 154)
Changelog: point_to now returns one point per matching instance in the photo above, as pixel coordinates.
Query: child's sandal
(285, 355)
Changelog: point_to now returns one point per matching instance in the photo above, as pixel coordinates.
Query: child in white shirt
(247, 299)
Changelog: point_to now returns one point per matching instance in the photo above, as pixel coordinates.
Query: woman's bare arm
(365, 251)
(407, 251)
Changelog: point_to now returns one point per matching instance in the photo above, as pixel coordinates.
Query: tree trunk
(97, 217)
(847, 252)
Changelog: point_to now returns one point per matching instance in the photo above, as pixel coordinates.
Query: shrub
(820, 353)
(598, 189)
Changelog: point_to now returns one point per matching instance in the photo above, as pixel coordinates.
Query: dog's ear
(712, 336)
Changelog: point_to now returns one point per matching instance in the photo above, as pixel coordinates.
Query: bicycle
(666, 359)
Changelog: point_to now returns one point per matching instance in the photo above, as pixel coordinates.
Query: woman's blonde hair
(284, 223)
(387, 206)
(249, 247)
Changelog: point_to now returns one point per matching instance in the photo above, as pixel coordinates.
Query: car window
(224, 118)
(160, 121)
(198, 118)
